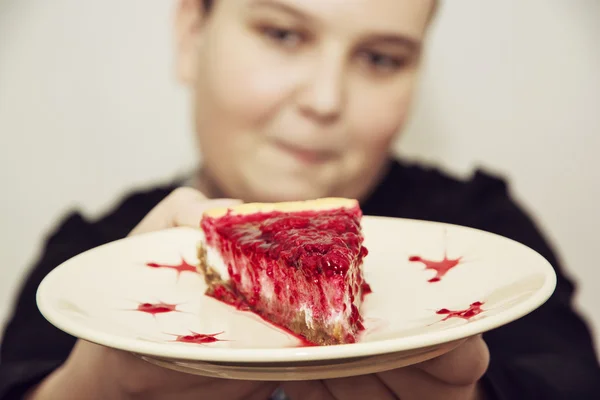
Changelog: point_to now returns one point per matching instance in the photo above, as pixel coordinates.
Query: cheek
(376, 123)
(246, 84)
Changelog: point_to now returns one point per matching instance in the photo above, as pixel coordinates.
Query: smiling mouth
(303, 155)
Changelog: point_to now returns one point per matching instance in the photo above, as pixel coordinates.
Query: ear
(190, 17)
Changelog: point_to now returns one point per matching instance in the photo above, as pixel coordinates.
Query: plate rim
(296, 354)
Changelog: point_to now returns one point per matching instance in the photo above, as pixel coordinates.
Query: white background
(88, 108)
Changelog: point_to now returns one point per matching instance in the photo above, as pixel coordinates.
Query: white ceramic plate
(109, 295)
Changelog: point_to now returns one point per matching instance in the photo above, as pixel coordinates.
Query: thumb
(183, 207)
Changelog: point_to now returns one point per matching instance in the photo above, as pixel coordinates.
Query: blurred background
(89, 110)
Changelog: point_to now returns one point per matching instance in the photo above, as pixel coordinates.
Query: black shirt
(548, 354)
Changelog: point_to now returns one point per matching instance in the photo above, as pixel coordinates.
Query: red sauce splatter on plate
(157, 308)
(441, 267)
(473, 310)
(199, 338)
(183, 266)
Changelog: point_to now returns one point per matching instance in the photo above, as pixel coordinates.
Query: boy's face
(298, 99)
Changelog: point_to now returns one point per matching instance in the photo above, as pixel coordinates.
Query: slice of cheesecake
(296, 264)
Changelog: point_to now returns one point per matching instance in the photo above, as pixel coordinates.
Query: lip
(305, 156)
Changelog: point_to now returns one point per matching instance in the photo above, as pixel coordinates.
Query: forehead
(407, 17)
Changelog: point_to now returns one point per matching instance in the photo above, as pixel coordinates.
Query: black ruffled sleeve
(548, 354)
(31, 347)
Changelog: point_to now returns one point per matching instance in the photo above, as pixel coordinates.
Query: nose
(322, 94)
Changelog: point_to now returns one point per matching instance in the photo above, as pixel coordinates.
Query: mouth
(304, 155)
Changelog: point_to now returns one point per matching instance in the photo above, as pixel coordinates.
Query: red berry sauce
(441, 267)
(199, 338)
(156, 308)
(183, 266)
(473, 310)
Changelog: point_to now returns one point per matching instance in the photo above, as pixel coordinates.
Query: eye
(383, 63)
(286, 37)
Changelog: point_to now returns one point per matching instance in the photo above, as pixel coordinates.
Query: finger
(183, 207)
(464, 365)
(188, 212)
(411, 383)
(221, 388)
(263, 391)
(307, 390)
(359, 387)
